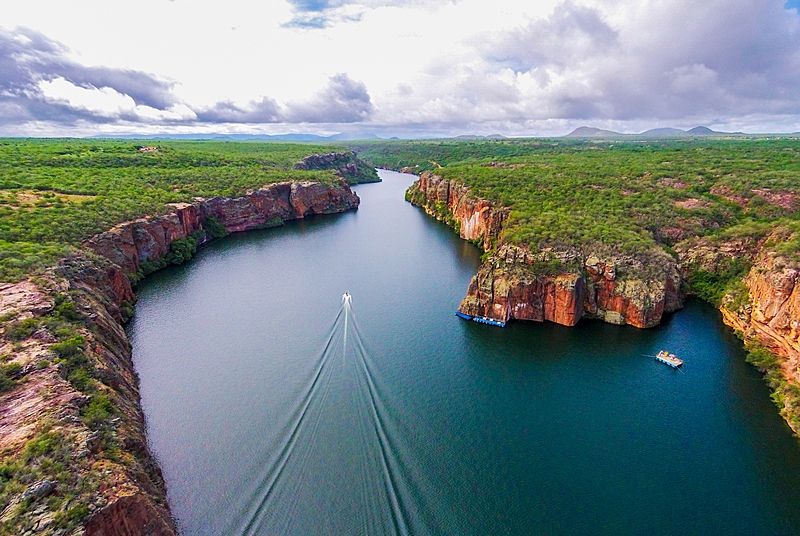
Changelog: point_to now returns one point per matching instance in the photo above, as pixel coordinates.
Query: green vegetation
(46, 457)
(785, 394)
(631, 196)
(712, 286)
(55, 193)
(180, 251)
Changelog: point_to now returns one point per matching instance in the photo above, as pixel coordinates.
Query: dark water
(438, 426)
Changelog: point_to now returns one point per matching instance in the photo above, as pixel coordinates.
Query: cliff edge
(560, 285)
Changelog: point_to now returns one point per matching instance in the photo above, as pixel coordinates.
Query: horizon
(399, 68)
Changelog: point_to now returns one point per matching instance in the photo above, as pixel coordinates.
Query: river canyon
(538, 428)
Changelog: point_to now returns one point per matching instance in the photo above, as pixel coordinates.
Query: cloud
(570, 34)
(409, 65)
(265, 110)
(344, 100)
(665, 61)
(652, 62)
(39, 82)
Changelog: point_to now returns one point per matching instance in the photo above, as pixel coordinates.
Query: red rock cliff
(765, 309)
(129, 497)
(516, 283)
(129, 244)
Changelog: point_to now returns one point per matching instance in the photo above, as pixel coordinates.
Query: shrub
(6, 383)
(182, 249)
(97, 411)
(65, 308)
(22, 329)
(68, 348)
(41, 445)
(214, 228)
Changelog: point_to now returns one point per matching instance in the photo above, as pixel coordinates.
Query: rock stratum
(112, 485)
(558, 285)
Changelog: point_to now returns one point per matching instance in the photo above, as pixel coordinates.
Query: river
(437, 425)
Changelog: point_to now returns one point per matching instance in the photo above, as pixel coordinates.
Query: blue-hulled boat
(481, 319)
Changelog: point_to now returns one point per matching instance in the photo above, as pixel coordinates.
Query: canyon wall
(560, 285)
(763, 309)
(116, 485)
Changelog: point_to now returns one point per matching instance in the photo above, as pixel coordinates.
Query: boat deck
(669, 359)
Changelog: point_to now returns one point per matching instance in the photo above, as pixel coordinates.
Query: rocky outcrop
(771, 313)
(116, 488)
(557, 285)
(475, 219)
(515, 283)
(345, 163)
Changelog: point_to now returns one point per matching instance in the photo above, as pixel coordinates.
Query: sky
(408, 68)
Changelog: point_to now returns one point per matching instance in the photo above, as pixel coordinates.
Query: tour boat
(481, 319)
(671, 360)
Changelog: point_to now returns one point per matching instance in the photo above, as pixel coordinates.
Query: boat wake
(299, 481)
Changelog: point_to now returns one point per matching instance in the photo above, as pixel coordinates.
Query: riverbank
(72, 433)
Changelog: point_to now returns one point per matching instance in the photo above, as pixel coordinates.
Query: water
(438, 426)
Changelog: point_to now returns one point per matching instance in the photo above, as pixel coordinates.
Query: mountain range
(592, 132)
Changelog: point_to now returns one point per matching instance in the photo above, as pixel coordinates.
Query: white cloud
(438, 66)
(103, 101)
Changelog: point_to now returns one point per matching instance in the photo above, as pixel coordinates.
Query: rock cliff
(345, 163)
(766, 313)
(75, 397)
(558, 285)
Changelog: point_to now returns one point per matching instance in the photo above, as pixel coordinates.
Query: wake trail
(385, 477)
(304, 466)
(398, 517)
(423, 509)
(271, 477)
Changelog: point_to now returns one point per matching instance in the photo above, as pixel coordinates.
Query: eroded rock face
(475, 219)
(344, 163)
(516, 283)
(131, 496)
(129, 244)
(772, 314)
(130, 515)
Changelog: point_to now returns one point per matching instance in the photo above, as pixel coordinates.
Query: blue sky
(399, 67)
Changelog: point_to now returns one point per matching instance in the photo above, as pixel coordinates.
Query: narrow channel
(267, 420)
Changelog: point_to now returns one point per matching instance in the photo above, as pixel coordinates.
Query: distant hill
(591, 132)
(702, 131)
(663, 132)
(475, 137)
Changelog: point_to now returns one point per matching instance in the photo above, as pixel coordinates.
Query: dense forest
(622, 194)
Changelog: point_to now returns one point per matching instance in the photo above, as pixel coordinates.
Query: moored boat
(481, 319)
